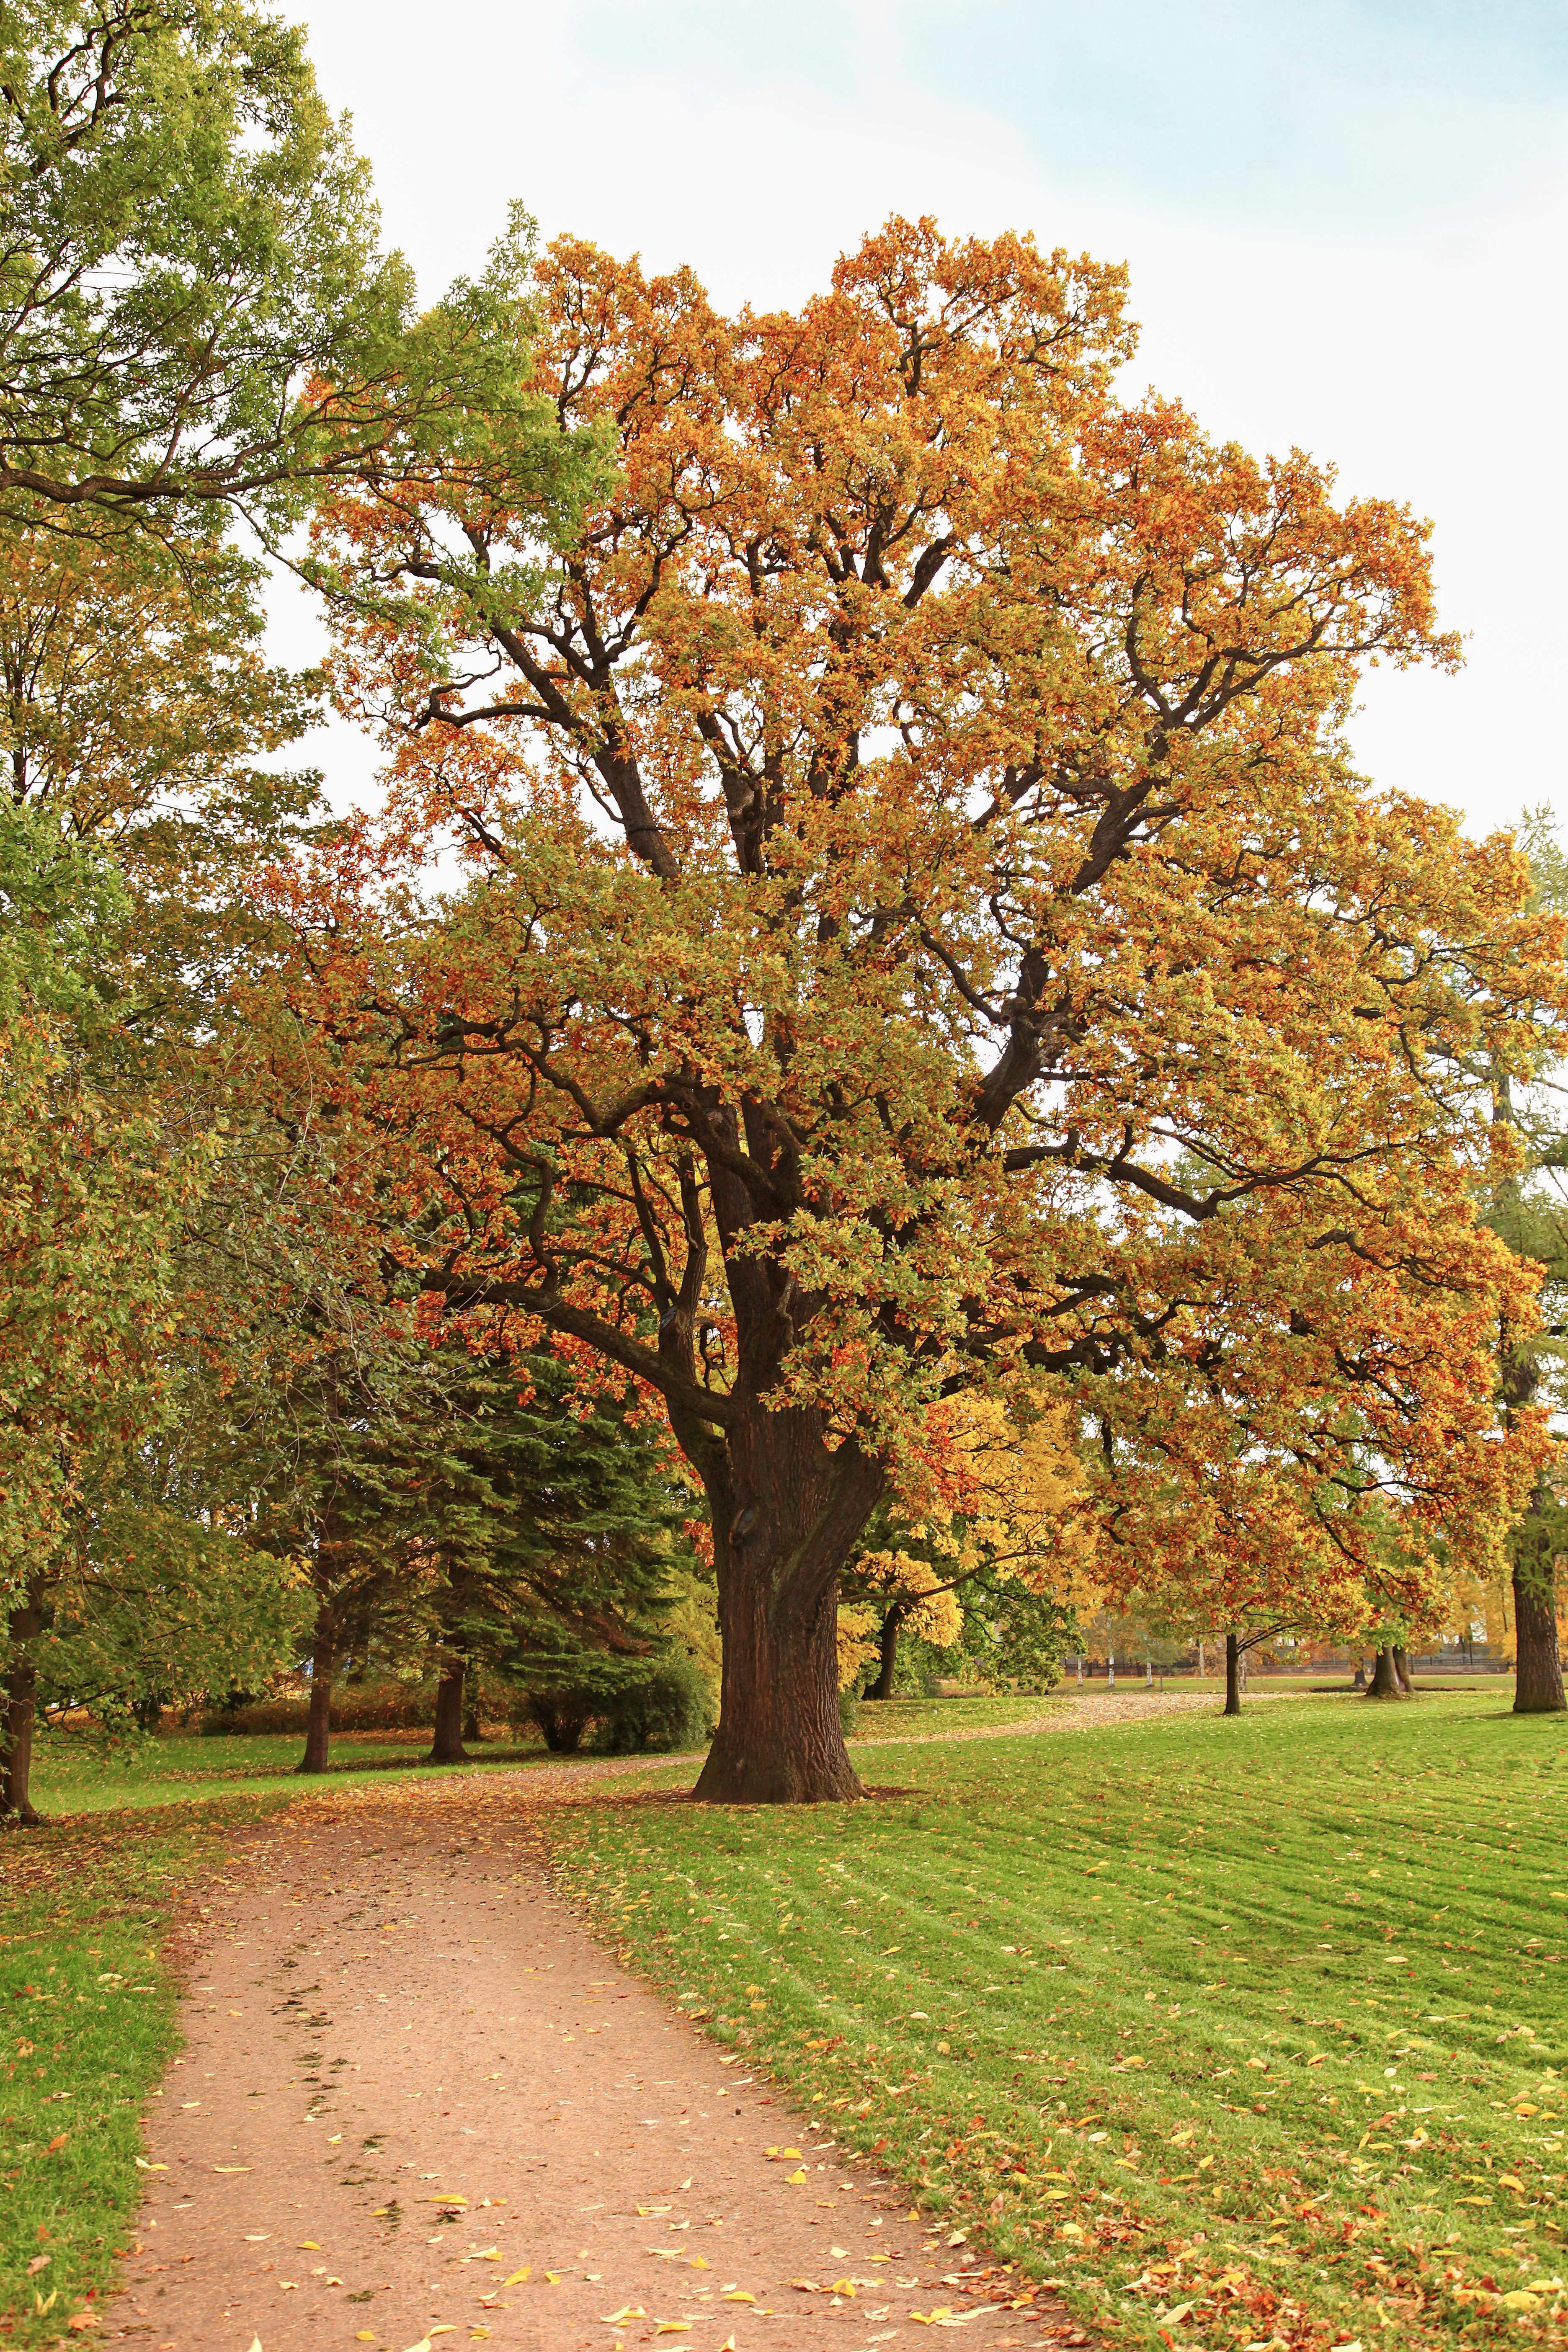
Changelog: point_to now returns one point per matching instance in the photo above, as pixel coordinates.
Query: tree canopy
(925, 919)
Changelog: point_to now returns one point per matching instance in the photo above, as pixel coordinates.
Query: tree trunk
(1384, 1682)
(1538, 1665)
(892, 1625)
(26, 1620)
(446, 1747)
(786, 1512)
(318, 1729)
(1203, 1668)
(1231, 1674)
(472, 1728)
(1402, 1672)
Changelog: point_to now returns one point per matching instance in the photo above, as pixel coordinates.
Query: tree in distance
(924, 919)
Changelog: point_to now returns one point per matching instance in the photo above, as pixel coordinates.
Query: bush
(385, 1707)
(668, 1709)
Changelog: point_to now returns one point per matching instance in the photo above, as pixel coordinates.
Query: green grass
(87, 2028)
(71, 1777)
(909, 1718)
(1258, 2026)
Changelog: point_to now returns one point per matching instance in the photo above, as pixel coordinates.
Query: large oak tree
(925, 924)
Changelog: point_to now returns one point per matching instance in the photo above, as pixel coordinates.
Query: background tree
(1007, 1546)
(913, 811)
(1530, 1216)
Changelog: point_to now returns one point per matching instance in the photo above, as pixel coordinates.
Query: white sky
(1345, 221)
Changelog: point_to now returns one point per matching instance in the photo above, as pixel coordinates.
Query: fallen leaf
(517, 2277)
(218, 2167)
(306, 2246)
(673, 2327)
(795, 2179)
(627, 2310)
(736, 2294)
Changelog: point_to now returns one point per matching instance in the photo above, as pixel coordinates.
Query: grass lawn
(909, 1718)
(69, 1777)
(1248, 2033)
(87, 2028)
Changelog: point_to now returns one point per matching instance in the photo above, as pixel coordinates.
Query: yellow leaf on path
(627, 2310)
(736, 2294)
(142, 2166)
(306, 2246)
(365, 2335)
(440, 2201)
(698, 2263)
(218, 2167)
(553, 2277)
(795, 2179)
(517, 2277)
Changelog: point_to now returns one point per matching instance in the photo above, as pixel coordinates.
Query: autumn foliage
(925, 934)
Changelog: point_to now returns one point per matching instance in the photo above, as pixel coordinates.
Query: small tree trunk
(891, 1625)
(1384, 1682)
(1402, 1672)
(1537, 1664)
(26, 1620)
(472, 1728)
(318, 1731)
(1203, 1669)
(446, 1747)
(1231, 1674)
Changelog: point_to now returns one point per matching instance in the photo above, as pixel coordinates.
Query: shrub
(670, 1707)
(385, 1706)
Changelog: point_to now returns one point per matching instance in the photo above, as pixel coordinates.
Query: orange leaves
(926, 942)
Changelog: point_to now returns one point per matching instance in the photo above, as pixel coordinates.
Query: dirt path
(416, 2101)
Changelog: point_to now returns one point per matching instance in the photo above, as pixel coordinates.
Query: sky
(1345, 222)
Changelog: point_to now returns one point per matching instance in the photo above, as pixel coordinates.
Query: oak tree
(924, 916)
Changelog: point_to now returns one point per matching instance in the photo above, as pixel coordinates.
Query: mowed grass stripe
(1230, 2068)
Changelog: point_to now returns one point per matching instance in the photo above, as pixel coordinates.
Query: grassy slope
(1256, 2027)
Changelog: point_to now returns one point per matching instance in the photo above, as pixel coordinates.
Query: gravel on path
(417, 2103)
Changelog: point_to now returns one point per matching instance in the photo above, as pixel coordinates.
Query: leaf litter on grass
(1251, 2071)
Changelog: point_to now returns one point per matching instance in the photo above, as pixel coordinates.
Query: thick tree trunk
(472, 1728)
(26, 1620)
(1537, 1664)
(1232, 1675)
(1402, 1672)
(446, 1747)
(1384, 1682)
(318, 1731)
(785, 1514)
(891, 1624)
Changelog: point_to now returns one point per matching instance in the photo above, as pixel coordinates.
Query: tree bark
(26, 1620)
(1537, 1663)
(785, 1512)
(1402, 1672)
(318, 1731)
(892, 1626)
(1232, 1675)
(472, 1728)
(1384, 1682)
(447, 1746)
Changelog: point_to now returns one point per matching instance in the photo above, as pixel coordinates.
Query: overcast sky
(1345, 223)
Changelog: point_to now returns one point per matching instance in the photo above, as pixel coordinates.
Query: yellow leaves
(796, 2180)
(519, 2278)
